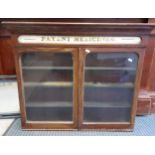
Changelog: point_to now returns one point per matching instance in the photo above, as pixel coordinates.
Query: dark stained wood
(7, 65)
(83, 125)
(30, 125)
(109, 127)
(142, 28)
(153, 105)
(151, 76)
(6, 57)
(1, 71)
(151, 20)
(96, 20)
(147, 70)
(144, 103)
(47, 125)
(80, 28)
(152, 96)
(4, 33)
(148, 76)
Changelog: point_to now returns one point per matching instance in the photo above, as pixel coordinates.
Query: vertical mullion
(75, 88)
(81, 86)
(136, 86)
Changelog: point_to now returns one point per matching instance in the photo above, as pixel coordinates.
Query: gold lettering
(76, 39)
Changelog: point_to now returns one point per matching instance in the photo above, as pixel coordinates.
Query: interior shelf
(107, 104)
(49, 104)
(86, 104)
(69, 84)
(47, 68)
(48, 84)
(119, 85)
(69, 68)
(110, 68)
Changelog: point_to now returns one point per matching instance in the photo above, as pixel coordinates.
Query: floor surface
(9, 103)
(144, 126)
(4, 124)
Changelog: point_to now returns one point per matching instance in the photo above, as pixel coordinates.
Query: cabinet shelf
(48, 84)
(107, 104)
(119, 85)
(70, 68)
(86, 104)
(47, 68)
(69, 84)
(110, 68)
(49, 104)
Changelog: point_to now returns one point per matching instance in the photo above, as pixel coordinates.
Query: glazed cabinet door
(49, 86)
(110, 81)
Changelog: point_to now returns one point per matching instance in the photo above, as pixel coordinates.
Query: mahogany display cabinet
(79, 75)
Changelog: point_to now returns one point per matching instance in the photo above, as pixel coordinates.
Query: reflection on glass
(48, 86)
(109, 86)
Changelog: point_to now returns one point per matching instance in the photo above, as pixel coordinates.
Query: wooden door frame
(1, 68)
(46, 125)
(111, 125)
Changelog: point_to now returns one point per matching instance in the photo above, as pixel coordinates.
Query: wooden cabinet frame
(78, 74)
(40, 124)
(115, 125)
(143, 28)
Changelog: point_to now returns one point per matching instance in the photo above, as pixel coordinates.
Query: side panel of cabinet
(48, 92)
(7, 65)
(109, 86)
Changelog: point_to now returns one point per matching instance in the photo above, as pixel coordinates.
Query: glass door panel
(109, 86)
(48, 86)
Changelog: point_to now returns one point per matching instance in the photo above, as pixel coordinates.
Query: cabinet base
(146, 103)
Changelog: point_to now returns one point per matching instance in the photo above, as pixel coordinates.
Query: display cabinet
(48, 81)
(72, 88)
(109, 80)
(78, 76)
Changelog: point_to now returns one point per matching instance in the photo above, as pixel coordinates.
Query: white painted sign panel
(82, 40)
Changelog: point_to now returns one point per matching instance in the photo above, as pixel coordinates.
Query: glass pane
(48, 86)
(109, 86)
